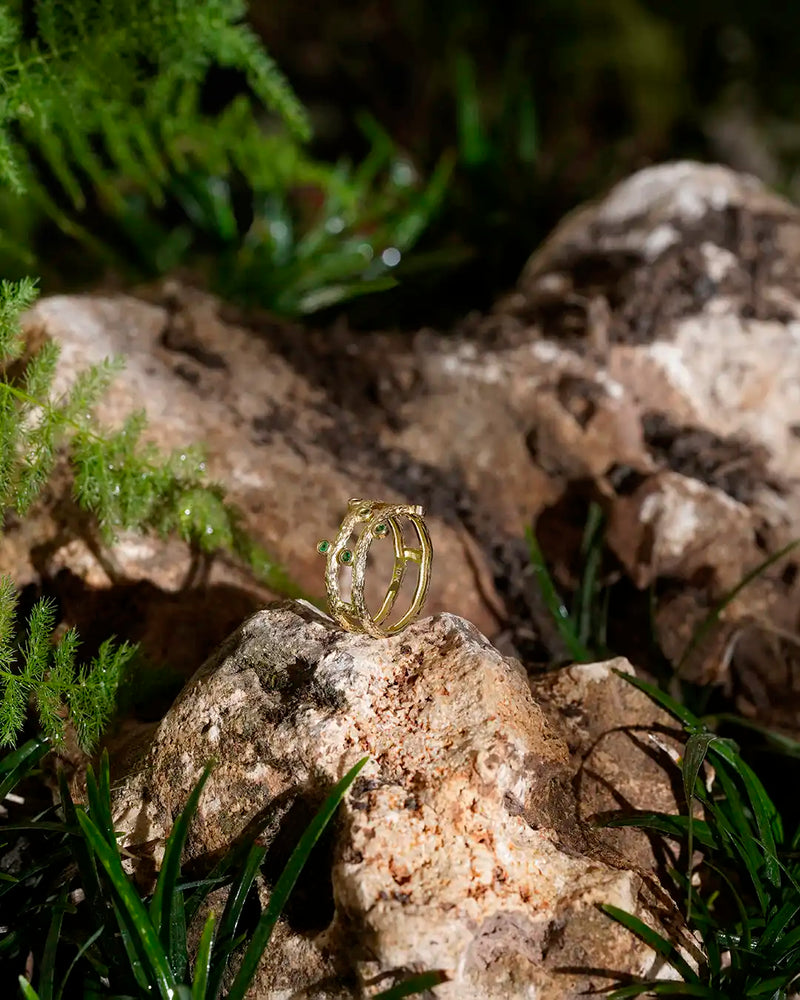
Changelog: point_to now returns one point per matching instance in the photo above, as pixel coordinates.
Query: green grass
(137, 946)
(741, 900)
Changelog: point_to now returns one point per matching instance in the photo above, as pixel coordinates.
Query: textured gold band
(376, 520)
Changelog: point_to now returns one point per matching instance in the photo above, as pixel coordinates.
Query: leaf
(554, 603)
(656, 987)
(410, 987)
(285, 883)
(680, 712)
(203, 960)
(591, 554)
(99, 797)
(654, 940)
(87, 944)
(27, 990)
(766, 815)
(672, 826)
(19, 763)
(167, 899)
(47, 971)
(84, 857)
(234, 905)
(693, 756)
(713, 616)
(133, 906)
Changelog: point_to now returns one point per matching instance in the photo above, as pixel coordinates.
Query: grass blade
(166, 906)
(136, 960)
(713, 616)
(410, 987)
(682, 714)
(133, 906)
(87, 944)
(27, 990)
(676, 827)
(230, 916)
(17, 764)
(584, 612)
(87, 866)
(657, 987)
(99, 798)
(218, 876)
(555, 605)
(693, 756)
(47, 973)
(203, 961)
(653, 940)
(766, 815)
(781, 743)
(286, 882)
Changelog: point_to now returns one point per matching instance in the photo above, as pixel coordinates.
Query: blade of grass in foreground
(166, 906)
(226, 936)
(203, 961)
(693, 756)
(133, 906)
(14, 766)
(286, 882)
(410, 987)
(47, 972)
(654, 940)
(27, 990)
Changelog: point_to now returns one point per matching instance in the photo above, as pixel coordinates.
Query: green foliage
(38, 670)
(123, 482)
(105, 127)
(132, 946)
(112, 70)
(743, 899)
(583, 627)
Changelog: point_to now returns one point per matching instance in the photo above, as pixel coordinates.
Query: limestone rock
(459, 847)
(620, 745)
(289, 455)
(647, 360)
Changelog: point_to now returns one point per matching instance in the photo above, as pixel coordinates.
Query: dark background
(545, 104)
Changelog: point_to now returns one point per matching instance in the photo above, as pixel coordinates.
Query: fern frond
(92, 702)
(36, 652)
(124, 483)
(15, 298)
(46, 673)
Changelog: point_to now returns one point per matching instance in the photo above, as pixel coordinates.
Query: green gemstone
(381, 530)
(364, 510)
(323, 546)
(345, 556)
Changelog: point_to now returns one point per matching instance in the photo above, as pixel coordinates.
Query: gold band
(375, 520)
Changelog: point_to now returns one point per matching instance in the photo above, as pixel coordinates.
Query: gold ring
(374, 521)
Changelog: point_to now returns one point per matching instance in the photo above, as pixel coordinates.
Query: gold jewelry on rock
(375, 521)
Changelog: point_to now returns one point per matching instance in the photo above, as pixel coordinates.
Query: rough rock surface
(646, 361)
(459, 848)
(621, 747)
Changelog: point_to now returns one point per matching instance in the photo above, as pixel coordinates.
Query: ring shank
(354, 615)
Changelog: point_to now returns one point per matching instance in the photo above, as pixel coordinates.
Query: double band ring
(376, 521)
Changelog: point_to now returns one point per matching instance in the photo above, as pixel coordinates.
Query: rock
(646, 362)
(288, 453)
(458, 848)
(682, 287)
(618, 768)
